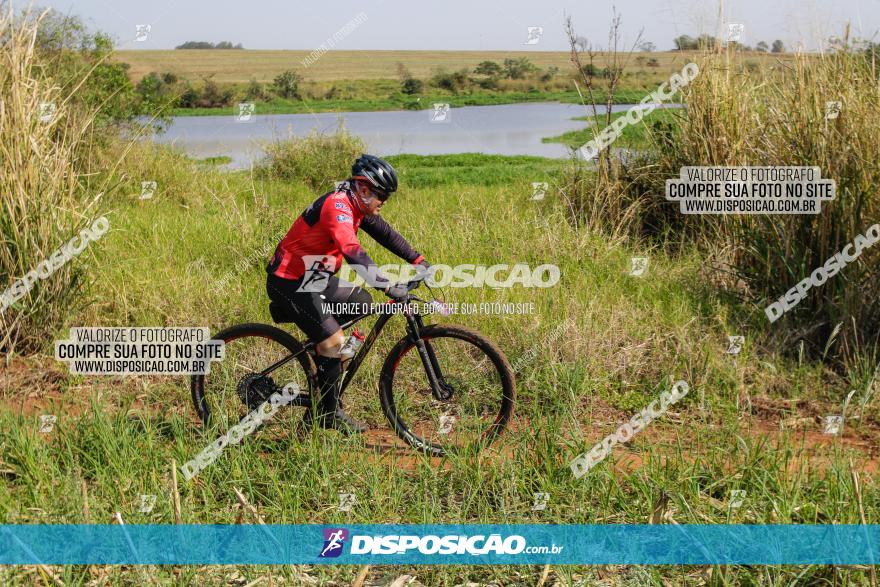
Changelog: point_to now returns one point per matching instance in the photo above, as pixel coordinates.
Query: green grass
(635, 136)
(404, 102)
(621, 341)
(221, 160)
(474, 169)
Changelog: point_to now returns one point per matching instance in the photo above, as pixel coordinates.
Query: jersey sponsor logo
(342, 206)
(343, 218)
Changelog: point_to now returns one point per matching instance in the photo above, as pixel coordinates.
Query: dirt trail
(32, 385)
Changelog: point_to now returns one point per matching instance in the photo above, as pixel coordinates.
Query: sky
(464, 24)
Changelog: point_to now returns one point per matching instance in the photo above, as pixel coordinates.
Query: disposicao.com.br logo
(452, 544)
(334, 540)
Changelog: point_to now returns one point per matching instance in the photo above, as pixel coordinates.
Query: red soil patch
(38, 385)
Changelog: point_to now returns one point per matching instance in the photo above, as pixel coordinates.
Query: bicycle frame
(415, 324)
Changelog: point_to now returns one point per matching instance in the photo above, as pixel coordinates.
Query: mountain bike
(454, 393)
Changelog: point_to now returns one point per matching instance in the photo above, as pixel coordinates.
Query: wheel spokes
(464, 418)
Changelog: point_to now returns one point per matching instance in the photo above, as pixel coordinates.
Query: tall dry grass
(738, 117)
(41, 203)
(780, 119)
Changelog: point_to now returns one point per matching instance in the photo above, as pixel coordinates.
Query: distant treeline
(209, 45)
(688, 43)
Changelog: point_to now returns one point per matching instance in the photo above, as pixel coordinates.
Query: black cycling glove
(397, 292)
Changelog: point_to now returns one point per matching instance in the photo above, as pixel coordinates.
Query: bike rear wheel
(476, 374)
(234, 386)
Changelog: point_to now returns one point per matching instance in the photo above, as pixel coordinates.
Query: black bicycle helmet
(378, 173)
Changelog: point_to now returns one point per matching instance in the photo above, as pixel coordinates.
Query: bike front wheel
(475, 398)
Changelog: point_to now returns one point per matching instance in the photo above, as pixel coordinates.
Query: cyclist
(323, 235)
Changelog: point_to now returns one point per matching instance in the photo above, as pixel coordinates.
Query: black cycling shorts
(305, 308)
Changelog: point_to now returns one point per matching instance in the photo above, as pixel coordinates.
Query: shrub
(454, 81)
(150, 87)
(214, 97)
(255, 91)
(188, 98)
(286, 84)
(489, 69)
(316, 160)
(67, 51)
(549, 74)
(411, 86)
(518, 68)
(591, 70)
(157, 92)
(408, 84)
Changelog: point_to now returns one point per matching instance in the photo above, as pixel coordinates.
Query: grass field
(600, 346)
(240, 66)
(367, 80)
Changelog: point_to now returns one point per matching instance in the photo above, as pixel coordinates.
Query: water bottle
(352, 345)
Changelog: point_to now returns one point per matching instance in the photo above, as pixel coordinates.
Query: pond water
(508, 129)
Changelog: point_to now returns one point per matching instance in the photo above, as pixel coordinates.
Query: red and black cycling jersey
(328, 228)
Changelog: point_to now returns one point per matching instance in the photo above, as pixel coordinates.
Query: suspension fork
(439, 388)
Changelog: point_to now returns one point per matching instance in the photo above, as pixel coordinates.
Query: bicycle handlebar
(415, 282)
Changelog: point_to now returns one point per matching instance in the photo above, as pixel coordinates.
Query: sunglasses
(379, 194)
(382, 196)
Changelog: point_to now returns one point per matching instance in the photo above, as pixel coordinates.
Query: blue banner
(475, 544)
